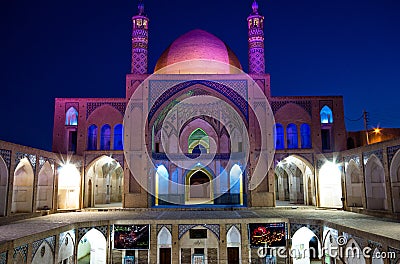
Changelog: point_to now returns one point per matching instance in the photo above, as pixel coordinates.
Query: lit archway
(69, 185)
(198, 142)
(236, 184)
(44, 198)
(92, 248)
(353, 185)
(295, 181)
(3, 187)
(375, 187)
(199, 187)
(330, 186)
(331, 248)
(103, 183)
(23, 187)
(306, 247)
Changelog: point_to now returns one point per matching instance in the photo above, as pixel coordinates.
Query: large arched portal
(92, 248)
(295, 181)
(103, 183)
(199, 187)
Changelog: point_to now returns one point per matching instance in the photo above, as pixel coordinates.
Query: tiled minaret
(255, 23)
(140, 41)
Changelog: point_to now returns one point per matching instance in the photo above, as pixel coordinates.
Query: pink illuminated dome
(193, 52)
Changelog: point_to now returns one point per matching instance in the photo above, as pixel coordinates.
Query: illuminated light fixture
(377, 130)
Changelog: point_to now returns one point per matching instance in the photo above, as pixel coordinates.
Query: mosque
(197, 134)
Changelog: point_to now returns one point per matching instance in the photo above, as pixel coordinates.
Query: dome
(199, 45)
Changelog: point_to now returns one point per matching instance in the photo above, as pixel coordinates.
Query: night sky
(52, 49)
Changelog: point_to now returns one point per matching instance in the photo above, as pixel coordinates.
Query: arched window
(105, 137)
(326, 115)
(279, 137)
(198, 142)
(71, 117)
(92, 138)
(305, 133)
(118, 143)
(292, 141)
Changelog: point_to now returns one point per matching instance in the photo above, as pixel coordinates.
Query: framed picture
(131, 237)
(129, 260)
(267, 235)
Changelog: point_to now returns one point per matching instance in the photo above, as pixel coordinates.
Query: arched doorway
(23, 187)
(164, 244)
(233, 240)
(199, 187)
(3, 187)
(295, 181)
(395, 181)
(103, 183)
(44, 198)
(306, 247)
(92, 248)
(69, 186)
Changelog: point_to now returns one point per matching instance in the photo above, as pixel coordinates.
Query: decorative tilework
(378, 153)
(314, 228)
(42, 161)
(305, 104)
(159, 227)
(52, 242)
(182, 229)
(373, 245)
(83, 231)
(391, 151)
(158, 96)
(30, 157)
(6, 155)
(22, 250)
(397, 258)
(356, 159)
(3, 258)
(35, 246)
(91, 106)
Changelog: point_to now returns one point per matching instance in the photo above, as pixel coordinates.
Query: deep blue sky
(82, 48)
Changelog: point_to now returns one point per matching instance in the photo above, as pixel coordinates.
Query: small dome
(199, 45)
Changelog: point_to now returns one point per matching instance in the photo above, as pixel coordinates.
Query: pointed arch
(44, 199)
(326, 115)
(118, 138)
(69, 185)
(353, 253)
(353, 184)
(92, 138)
(305, 133)
(105, 140)
(3, 187)
(395, 181)
(279, 136)
(164, 238)
(236, 184)
(306, 245)
(67, 248)
(71, 117)
(233, 237)
(375, 186)
(93, 245)
(330, 185)
(44, 254)
(198, 140)
(23, 187)
(292, 139)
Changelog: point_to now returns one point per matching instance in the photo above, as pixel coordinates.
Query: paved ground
(357, 222)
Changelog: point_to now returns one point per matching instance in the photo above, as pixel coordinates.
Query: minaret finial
(141, 7)
(255, 7)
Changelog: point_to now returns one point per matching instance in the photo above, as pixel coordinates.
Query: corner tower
(140, 41)
(255, 23)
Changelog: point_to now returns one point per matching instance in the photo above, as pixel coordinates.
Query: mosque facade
(196, 150)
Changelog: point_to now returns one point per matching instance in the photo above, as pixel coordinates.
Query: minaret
(255, 23)
(140, 41)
